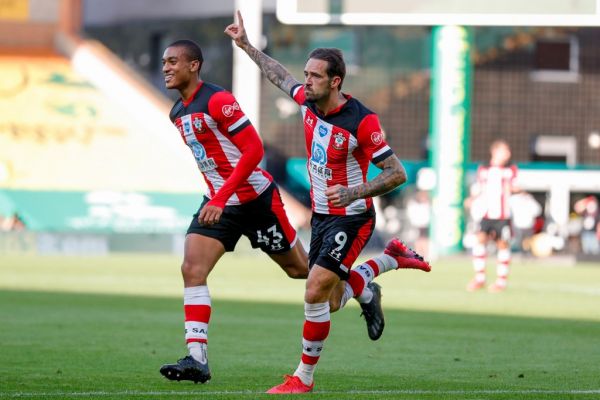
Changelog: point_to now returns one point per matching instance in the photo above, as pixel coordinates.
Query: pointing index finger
(240, 19)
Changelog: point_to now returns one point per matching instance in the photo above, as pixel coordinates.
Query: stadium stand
(85, 143)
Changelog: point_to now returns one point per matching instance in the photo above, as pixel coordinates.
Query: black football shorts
(497, 229)
(336, 241)
(263, 220)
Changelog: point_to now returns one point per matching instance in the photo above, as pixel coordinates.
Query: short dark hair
(335, 61)
(192, 49)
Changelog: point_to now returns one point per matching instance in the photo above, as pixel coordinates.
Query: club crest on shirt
(338, 141)
(377, 137)
(229, 109)
(197, 122)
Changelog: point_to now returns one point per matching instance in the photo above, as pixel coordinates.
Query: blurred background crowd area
(77, 163)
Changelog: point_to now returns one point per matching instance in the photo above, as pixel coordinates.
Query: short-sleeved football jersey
(340, 146)
(207, 122)
(496, 186)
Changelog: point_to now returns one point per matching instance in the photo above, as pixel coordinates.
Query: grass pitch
(101, 327)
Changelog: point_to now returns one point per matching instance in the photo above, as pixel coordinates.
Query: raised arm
(272, 69)
(391, 176)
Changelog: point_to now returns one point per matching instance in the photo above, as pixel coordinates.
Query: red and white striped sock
(502, 269)
(479, 255)
(196, 304)
(356, 285)
(316, 329)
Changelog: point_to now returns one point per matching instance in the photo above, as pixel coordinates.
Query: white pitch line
(252, 393)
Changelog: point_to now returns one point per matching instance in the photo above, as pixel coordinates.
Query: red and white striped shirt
(219, 134)
(340, 146)
(495, 188)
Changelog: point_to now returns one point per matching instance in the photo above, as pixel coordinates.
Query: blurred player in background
(525, 211)
(490, 198)
(342, 138)
(589, 209)
(242, 199)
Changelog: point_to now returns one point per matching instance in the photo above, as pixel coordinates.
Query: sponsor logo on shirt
(377, 137)
(309, 120)
(318, 154)
(198, 150)
(204, 164)
(323, 131)
(187, 128)
(184, 124)
(320, 170)
(207, 165)
(318, 160)
(229, 109)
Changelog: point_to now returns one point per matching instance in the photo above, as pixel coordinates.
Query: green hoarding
(101, 211)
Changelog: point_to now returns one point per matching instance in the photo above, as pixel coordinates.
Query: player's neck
(497, 164)
(331, 103)
(189, 89)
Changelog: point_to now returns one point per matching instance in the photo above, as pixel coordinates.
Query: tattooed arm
(272, 69)
(391, 176)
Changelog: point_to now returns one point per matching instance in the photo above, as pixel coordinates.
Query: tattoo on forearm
(272, 69)
(392, 175)
(345, 196)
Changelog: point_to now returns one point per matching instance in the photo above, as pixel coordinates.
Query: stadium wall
(507, 102)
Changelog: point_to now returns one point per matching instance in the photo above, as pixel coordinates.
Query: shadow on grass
(63, 345)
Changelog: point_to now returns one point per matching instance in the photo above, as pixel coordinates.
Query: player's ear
(195, 66)
(335, 82)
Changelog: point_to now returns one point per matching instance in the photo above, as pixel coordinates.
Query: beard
(312, 96)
